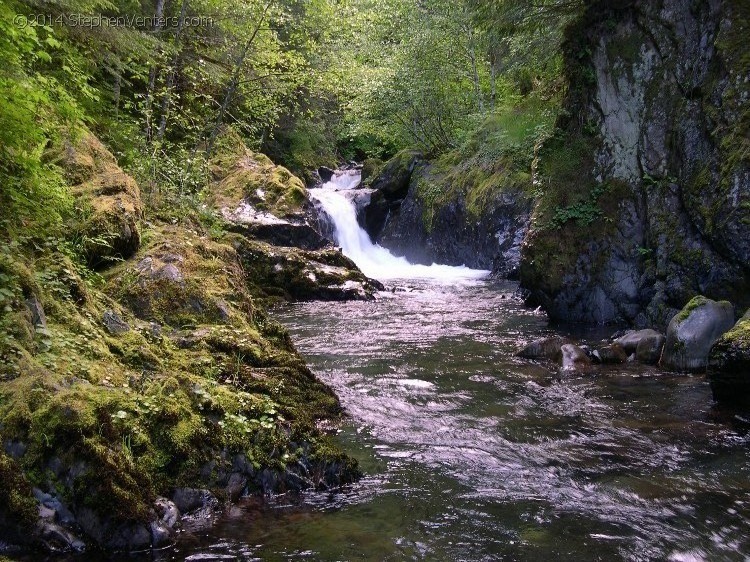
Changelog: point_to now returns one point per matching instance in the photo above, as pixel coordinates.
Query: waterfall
(335, 200)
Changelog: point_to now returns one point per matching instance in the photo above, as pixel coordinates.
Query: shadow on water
(473, 454)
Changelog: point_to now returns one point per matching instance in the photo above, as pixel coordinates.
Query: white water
(374, 260)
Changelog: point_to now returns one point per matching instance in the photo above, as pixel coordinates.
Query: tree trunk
(153, 71)
(165, 103)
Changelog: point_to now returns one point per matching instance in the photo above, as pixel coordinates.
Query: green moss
(126, 417)
(17, 503)
(240, 174)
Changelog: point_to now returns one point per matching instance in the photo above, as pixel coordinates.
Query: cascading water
(374, 260)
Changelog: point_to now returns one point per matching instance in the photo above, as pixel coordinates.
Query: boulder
(648, 350)
(370, 168)
(729, 365)
(693, 331)
(544, 348)
(631, 340)
(611, 354)
(574, 358)
(108, 200)
(325, 173)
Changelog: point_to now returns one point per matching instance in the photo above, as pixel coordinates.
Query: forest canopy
(308, 82)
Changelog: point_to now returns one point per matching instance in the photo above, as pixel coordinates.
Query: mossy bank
(125, 388)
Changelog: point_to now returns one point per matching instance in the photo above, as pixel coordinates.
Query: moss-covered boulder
(390, 186)
(729, 365)
(693, 331)
(370, 170)
(108, 201)
(393, 178)
(241, 176)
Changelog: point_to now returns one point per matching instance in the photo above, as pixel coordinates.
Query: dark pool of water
(473, 454)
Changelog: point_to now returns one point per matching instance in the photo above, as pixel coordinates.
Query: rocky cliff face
(450, 233)
(646, 189)
(460, 209)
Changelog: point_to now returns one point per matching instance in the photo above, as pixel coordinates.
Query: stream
(470, 453)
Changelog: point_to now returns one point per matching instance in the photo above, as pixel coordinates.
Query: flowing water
(335, 198)
(472, 454)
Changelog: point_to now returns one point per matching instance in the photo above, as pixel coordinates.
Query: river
(470, 453)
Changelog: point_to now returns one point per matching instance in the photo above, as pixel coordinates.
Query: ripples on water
(473, 454)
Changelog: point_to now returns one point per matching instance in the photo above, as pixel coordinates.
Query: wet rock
(283, 233)
(649, 350)
(236, 486)
(57, 538)
(574, 358)
(693, 332)
(38, 317)
(191, 500)
(644, 345)
(610, 354)
(325, 173)
(114, 536)
(544, 348)
(60, 513)
(114, 323)
(729, 365)
(167, 512)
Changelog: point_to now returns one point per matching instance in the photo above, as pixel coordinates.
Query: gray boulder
(631, 340)
(693, 331)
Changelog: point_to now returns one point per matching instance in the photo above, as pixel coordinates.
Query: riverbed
(470, 453)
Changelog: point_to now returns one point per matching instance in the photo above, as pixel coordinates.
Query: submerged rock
(544, 348)
(692, 333)
(729, 365)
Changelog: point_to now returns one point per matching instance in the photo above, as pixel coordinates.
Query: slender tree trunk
(475, 70)
(166, 102)
(153, 71)
(116, 92)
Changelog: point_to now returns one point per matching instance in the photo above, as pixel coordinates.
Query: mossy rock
(393, 179)
(110, 421)
(729, 365)
(693, 331)
(108, 201)
(370, 169)
(241, 175)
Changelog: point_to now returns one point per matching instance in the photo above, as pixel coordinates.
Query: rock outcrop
(443, 213)
(729, 365)
(108, 201)
(692, 333)
(647, 197)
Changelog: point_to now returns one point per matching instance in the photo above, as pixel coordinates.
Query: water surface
(472, 454)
